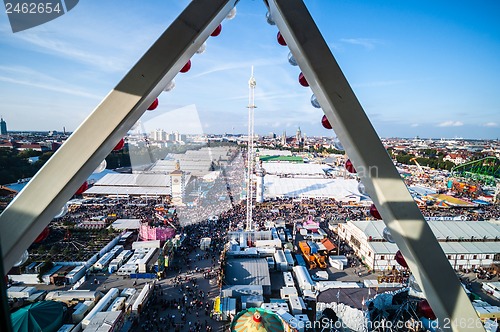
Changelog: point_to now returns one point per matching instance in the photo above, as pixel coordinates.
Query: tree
(14, 164)
(54, 250)
(25, 154)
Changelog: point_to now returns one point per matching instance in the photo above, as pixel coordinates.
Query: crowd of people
(185, 301)
(487, 212)
(217, 210)
(167, 313)
(215, 197)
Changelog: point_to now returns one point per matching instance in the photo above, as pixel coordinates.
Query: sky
(418, 67)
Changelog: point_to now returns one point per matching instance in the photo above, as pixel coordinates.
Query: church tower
(283, 138)
(298, 136)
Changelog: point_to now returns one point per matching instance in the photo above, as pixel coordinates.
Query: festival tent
(44, 316)
(452, 201)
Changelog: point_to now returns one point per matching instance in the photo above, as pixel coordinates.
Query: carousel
(258, 320)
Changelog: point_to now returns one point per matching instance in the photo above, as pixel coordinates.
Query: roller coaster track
(485, 170)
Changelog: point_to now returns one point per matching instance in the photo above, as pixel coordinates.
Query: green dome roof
(44, 316)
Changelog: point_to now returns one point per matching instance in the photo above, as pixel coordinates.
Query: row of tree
(435, 162)
(15, 165)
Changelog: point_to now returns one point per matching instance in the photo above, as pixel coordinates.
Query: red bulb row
(282, 42)
(303, 81)
(214, 33)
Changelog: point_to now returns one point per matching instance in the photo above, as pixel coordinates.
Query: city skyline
(150, 127)
(418, 68)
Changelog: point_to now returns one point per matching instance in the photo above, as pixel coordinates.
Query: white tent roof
(459, 234)
(134, 180)
(339, 188)
(132, 184)
(127, 190)
(295, 168)
(195, 167)
(122, 224)
(453, 230)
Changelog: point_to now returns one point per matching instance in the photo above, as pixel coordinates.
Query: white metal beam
(35, 206)
(379, 175)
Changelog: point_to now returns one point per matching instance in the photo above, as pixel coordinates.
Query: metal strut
(400, 213)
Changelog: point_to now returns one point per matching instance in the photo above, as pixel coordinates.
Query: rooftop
(247, 271)
(443, 230)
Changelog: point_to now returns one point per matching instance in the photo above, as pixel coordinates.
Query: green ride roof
(291, 159)
(45, 316)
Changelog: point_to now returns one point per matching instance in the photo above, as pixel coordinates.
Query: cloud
(414, 125)
(64, 49)
(490, 124)
(246, 65)
(367, 43)
(33, 78)
(451, 124)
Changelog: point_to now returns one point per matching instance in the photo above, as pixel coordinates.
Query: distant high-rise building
(3, 127)
(159, 135)
(298, 135)
(283, 138)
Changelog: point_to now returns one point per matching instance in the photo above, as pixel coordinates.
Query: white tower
(251, 106)
(177, 183)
